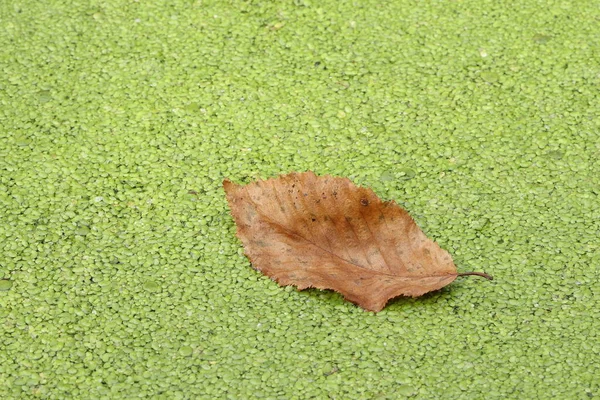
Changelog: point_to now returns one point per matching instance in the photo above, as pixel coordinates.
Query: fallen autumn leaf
(324, 232)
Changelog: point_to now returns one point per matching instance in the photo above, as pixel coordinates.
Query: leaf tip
(228, 185)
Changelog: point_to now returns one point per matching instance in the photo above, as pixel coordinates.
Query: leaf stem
(482, 274)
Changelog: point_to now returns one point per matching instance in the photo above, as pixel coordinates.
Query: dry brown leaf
(324, 232)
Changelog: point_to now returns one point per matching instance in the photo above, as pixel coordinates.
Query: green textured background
(121, 274)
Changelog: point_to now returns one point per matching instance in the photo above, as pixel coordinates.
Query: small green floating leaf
(5, 285)
(555, 154)
(540, 38)
(490, 76)
(406, 174)
(479, 225)
(192, 107)
(277, 26)
(22, 142)
(405, 390)
(185, 351)
(151, 286)
(387, 176)
(44, 96)
(82, 230)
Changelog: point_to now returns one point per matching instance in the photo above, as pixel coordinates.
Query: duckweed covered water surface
(121, 277)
